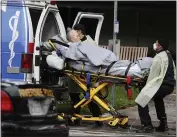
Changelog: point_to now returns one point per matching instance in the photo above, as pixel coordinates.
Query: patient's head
(73, 36)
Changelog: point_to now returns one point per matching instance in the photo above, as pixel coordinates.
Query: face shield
(155, 46)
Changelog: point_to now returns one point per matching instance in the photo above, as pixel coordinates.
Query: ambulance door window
(90, 26)
(50, 28)
(92, 22)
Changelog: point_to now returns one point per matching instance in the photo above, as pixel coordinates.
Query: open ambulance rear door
(49, 25)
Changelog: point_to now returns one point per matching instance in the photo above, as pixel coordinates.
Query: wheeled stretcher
(86, 81)
(94, 85)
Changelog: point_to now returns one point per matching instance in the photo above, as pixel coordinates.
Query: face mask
(155, 46)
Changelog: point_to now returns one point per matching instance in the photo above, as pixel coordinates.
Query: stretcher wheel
(61, 116)
(113, 127)
(123, 121)
(119, 122)
(124, 126)
(114, 123)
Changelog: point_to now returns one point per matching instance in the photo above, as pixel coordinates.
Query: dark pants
(163, 91)
(75, 99)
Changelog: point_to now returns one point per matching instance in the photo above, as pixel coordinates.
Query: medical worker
(82, 35)
(160, 83)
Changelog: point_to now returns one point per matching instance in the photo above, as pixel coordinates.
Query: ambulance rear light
(26, 62)
(30, 47)
(53, 2)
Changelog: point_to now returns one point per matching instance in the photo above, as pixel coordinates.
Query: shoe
(145, 129)
(162, 126)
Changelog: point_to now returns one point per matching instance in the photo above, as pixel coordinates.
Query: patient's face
(74, 36)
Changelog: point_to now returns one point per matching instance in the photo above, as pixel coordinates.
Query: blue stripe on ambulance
(14, 39)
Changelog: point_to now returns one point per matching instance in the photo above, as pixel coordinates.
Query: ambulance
(25, 25)
(29, 90)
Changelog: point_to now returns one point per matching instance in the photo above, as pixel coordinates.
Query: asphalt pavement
(134, 122)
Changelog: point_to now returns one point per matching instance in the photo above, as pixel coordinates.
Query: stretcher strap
(82, 68)
(72, 71)
(128, 80)
(128, 68)
(109, 67)
(88, 80)
(99, 70)
(97, 79)
(65, 63)
(128, 88)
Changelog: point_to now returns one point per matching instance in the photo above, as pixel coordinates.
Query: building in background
(140, 22)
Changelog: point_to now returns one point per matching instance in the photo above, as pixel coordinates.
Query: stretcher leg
(80, 103)
(114, 120)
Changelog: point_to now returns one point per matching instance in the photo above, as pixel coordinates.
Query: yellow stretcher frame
(115, 119)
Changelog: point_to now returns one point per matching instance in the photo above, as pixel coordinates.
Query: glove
(58, 53)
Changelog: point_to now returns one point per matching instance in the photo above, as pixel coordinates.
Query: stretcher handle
(129, 94)
(53, 46)
(59, 42)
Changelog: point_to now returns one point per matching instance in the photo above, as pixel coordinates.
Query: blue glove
(58, 53)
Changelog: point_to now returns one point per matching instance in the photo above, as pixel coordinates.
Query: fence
(131, 53)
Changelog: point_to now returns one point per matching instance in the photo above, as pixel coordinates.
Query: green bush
(121, 99)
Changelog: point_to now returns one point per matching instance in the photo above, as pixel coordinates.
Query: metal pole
(114, 44)
(114, 24)
(137, 27)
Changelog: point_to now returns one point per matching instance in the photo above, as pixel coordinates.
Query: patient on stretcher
(95, 59)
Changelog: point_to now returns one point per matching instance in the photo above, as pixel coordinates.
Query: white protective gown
(155, 79)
